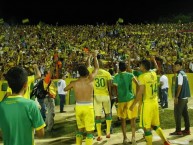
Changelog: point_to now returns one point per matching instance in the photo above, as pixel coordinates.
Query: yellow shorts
(149, 115)
(124, 112)
(101, 102)
(85, 116)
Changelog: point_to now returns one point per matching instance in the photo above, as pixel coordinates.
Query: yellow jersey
(101, 82)
(31, 79)
(149, 80)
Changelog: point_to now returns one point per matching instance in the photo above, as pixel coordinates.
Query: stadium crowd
(63, 47)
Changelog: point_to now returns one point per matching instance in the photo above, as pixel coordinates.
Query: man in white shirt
(164, 90)
(62, 94)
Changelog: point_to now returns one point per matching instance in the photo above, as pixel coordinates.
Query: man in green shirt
(123, 81)
(19, 116)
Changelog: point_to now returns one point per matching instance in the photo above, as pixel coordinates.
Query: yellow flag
(1, 21)
(25, 21)
(120, 20)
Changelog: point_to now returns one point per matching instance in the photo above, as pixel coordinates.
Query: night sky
(92, 12)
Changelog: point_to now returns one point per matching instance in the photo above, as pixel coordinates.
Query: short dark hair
(146, 63)
(83, 71)
(16, 78)
(122, 66)
(111, 71)
(178, 62)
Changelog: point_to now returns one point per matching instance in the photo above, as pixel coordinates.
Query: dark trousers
(62, 101)
(181, 109)
(164, 97)
(43, 108)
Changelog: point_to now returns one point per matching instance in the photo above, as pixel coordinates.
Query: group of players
(89, 107)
